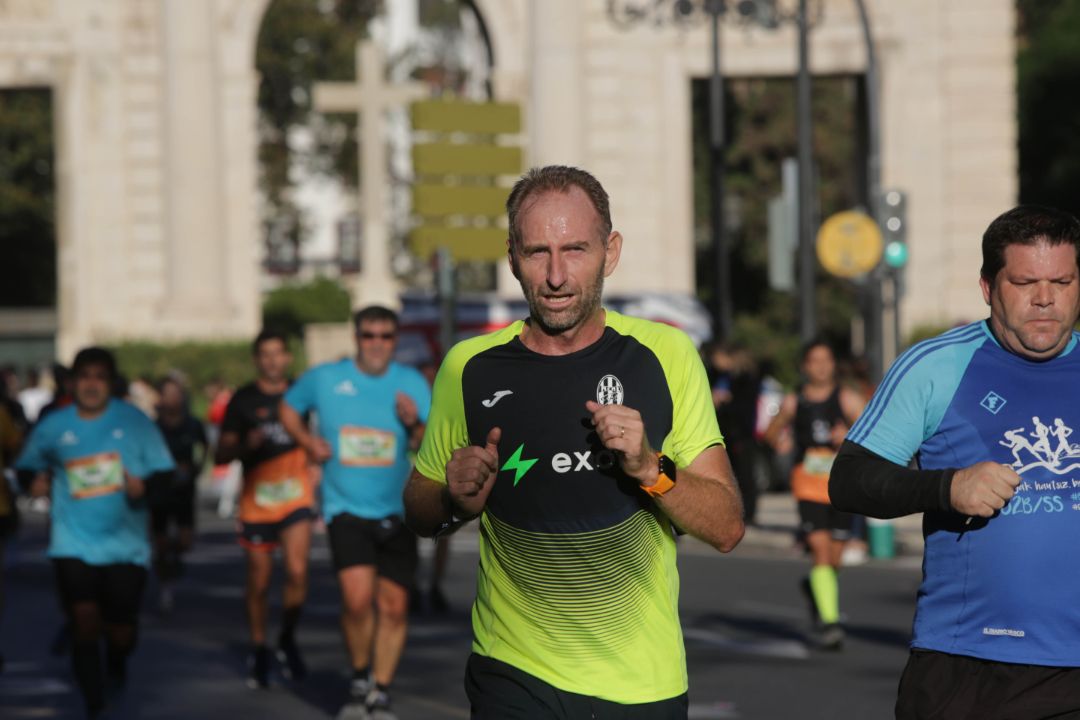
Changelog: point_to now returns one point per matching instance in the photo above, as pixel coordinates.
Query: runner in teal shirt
(95, 459)
(357, 417)
(369, 412)
(94, 520)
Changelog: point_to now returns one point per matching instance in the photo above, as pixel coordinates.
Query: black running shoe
(378, 705)
(359, 687)
(292, 664)
(832, 637)
(259, 668)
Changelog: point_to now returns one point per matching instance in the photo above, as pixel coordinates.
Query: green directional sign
(447, 116)
(436, 201)
(464, 243)
(461, 159)
(466, 160)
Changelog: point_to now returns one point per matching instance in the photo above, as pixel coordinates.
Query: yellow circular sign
(849, 244)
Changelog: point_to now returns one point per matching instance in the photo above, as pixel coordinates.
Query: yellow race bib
(366, 447)
(95, 475)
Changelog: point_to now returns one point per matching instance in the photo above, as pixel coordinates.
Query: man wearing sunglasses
(370, 411)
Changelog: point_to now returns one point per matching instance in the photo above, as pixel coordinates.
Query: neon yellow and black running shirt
(577, 582)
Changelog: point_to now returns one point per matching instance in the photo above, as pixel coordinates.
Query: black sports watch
(456, 521)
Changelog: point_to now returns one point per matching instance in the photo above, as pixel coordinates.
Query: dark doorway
(27, 199)
(28, 271)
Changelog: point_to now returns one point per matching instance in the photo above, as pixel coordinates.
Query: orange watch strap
(663, 482)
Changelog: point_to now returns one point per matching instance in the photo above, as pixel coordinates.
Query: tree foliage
(27, 199)
(301, 43)
(761, 133)
(1048, 75)
(290, 307)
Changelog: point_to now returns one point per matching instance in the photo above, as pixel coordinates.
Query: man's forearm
(294, 425)
(862, 481)
(705, 508)
(415, 435)
(705, 501)
(228, 449)
(427, 505)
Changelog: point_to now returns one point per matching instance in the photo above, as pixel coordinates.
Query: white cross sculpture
(369, 98)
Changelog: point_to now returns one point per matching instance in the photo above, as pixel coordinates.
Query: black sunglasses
(380, 336)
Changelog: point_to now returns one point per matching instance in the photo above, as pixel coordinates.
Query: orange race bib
(810, 478)
(275, 488)
(366, 447)
(95, 475)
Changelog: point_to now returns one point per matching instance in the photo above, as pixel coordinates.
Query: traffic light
(894, 228)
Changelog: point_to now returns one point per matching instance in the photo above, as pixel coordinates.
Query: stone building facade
(155, 126)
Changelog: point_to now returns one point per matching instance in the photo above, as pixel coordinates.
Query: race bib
(272, 494)
(95, 475)
(365, 447)
(810, 478)
(818, 461)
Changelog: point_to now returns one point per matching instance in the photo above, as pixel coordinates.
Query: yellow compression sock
(826, 590)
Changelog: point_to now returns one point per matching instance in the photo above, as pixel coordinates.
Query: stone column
(196, 276)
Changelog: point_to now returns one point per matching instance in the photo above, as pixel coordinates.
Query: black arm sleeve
(864, 482)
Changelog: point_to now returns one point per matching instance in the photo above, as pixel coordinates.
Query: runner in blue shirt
(94, 459)
(986, 411)
(370, 412)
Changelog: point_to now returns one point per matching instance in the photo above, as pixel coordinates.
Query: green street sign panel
(464, 243)
(459, 116)
(434, 201)
(466, 160)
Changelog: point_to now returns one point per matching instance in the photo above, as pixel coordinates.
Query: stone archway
(154, 128)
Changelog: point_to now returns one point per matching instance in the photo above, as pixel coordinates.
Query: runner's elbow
(732, 534)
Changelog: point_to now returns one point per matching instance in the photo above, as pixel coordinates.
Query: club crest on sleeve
(993, 402)
(609, 391)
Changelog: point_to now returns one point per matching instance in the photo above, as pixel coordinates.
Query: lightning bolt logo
(519, 466)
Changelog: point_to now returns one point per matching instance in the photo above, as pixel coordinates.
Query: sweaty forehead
(557, 212)
(1041, 259)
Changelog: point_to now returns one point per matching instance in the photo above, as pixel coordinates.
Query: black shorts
(939, 685)
(387, 544)
(498, 691)
(116, 589)
(178, 506)
(267, 536)
(8, 523)
(819, 516)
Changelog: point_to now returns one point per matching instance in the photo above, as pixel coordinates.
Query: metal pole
(875, 339)
(447, 292)
(722, 292)
(807, 259)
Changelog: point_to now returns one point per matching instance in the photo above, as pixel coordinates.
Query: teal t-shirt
(92, 518)
(357, 415)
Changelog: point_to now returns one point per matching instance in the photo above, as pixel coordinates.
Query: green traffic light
(896, 254)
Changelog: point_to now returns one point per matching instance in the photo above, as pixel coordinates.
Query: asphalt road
(749, 648)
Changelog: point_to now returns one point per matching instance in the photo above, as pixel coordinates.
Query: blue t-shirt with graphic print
(357, 415)
(92, 518)
(1003, 589)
